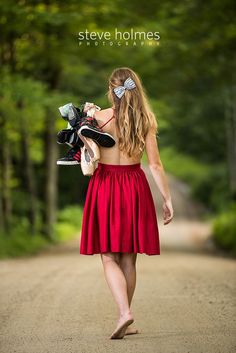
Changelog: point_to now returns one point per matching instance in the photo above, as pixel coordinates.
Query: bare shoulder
(104, 113)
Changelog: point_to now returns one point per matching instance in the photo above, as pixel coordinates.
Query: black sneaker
(71, 114)
(89, 128)
(72, 157)
(70, 137)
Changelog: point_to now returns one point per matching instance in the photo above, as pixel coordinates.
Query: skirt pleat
(119, 213)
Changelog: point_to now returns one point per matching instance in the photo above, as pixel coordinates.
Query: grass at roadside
(19, 242)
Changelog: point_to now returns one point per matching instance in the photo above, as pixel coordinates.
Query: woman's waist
(119, 167)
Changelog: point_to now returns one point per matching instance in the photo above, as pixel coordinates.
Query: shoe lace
(91, 120)
(72, 151)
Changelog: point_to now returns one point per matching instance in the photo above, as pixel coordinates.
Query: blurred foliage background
(189, 78)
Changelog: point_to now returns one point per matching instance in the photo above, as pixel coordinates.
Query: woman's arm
(158, 173)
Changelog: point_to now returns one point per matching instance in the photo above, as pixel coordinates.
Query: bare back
(112, 155)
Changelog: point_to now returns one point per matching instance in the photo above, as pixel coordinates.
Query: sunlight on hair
(134, 114)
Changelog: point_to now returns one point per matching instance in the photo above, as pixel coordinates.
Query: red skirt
(119, 213)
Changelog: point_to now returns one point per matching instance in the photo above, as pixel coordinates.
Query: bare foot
(123, 322)
(131, 331)
(125, 317)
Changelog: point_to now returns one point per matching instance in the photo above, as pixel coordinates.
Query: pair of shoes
(120, 331)
(83, 125)
(72, 157)
(87, 156)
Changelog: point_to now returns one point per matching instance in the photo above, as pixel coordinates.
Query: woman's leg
(117, 283)
(128, 267)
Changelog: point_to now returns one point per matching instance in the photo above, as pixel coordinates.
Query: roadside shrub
(224, 230)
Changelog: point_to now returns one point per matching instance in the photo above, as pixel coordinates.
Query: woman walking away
(119, 217)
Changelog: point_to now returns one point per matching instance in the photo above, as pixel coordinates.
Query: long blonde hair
(134, 117)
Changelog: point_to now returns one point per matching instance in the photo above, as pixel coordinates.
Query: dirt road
(59, 302)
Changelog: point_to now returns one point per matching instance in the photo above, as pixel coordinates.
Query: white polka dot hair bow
(128, 84)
